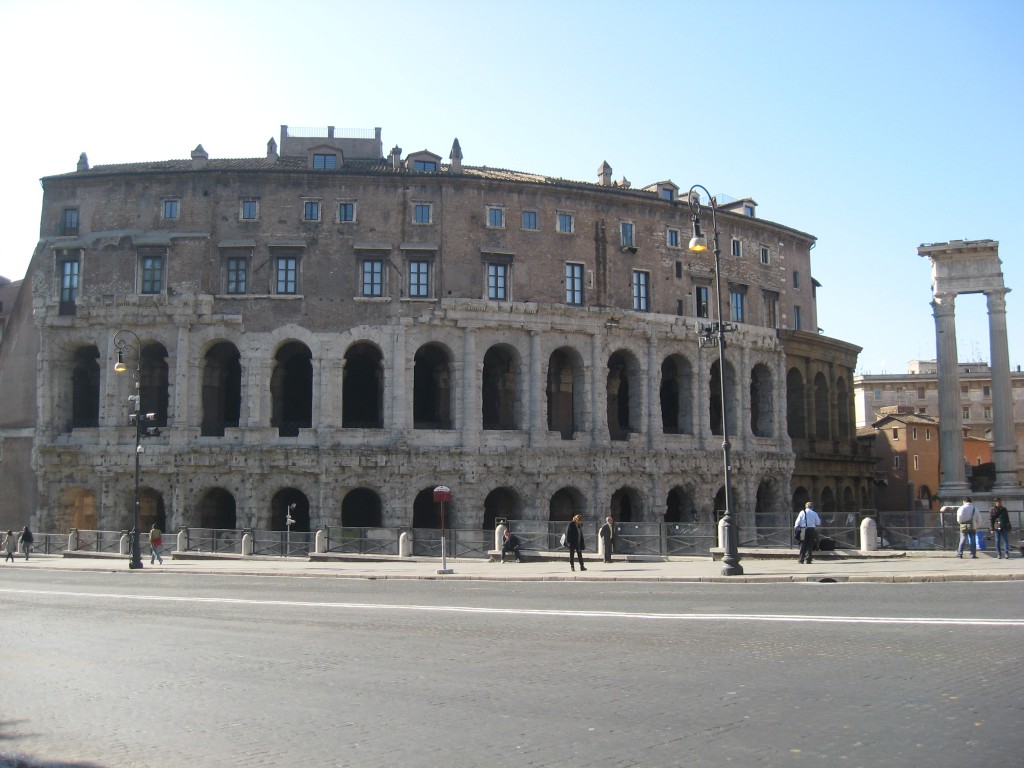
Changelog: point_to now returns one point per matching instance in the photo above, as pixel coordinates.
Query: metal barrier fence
(214, 540)
(282, 543)
(362, 541)
(108, 542)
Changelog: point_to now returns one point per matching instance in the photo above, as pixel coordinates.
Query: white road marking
(959, 621)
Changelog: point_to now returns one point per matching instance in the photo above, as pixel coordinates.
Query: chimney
(83, 162)
(604, 174)
(396, 158)
(625, 183)
(456, 157)
(199, 157)
(272, 150)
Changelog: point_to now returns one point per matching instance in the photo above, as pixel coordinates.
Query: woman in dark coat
(574, 540)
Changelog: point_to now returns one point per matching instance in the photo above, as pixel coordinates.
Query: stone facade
(342, 330)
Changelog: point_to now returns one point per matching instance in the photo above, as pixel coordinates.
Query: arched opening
(565, 503)
(765, 508)
(715, 405)
(426, 513)
(680, 507)
(501, 503)
(362, 391)
(151, 510)
(279, 504)
(432, 389)
(623, 404)
(821, 409)
(565, 392)
(499, 395)
(844, 407)
(222, 389)
(828, 506)
(762, 397)
(800, 498)
(361, 508)
(153, 392)
(291, 390)
(77, 510)
(625, 506)
(85, 388)
(795, 421)
(676, 396)
(217, 510)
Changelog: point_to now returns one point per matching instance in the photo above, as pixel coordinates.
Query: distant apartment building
(918, 391)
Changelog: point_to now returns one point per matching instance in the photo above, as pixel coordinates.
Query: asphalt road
(108, 669)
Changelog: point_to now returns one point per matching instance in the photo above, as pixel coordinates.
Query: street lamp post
(122, 343)
(711, 335)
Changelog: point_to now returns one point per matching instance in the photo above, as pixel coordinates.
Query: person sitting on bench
(510, 543)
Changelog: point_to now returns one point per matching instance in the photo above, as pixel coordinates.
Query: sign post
(443, 495)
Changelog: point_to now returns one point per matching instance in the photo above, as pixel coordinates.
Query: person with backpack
(999, 525)
(25, 541)
(155, 541)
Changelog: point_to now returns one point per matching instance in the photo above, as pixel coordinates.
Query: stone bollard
(124, 546)
(320, 543)
(721, 533)
(499, 535)
(247, 544)
(405, 544)
(868, 535)
(182, 544)
(73, 540)
(600, 546)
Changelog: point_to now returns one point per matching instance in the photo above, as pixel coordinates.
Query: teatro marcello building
(339, 329)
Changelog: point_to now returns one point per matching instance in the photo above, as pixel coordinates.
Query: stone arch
(77, 510)
(154, 394)
(151, 509)
(822, 429)
(216, 509)
(565, 503)
(279, 509)
(623, 393)
(222, 389)
(500, 401)
(762, 398)
(426, 513)
(565, 392)
(361, 508)
(626, 505)
(796, 423)
(362, 388)
(719, 503)
(676, 396)
(828, 505)
(85, 387)
(800, 497)
(501, 503)
(680, 506)
(715, 403)
(432, 388)
(291, 390)
(766, 506)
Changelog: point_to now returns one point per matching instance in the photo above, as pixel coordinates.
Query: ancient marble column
(1004, 446)
(951, 435)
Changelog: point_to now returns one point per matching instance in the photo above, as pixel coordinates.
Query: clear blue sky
(875, 126)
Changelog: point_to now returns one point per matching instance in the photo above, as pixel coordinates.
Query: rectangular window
(238, 275)
(325, 162)
(495, 217)
(920, 393)
(895, 435)
(927, 434)
(765, 255)
(917, 461)
(896, 461)
(672, 238)
(372, 278)
(878, 393)
(497, 282)
(964, 391)
(641, 291)
(70, 226)
(250, 210)
(419, 279)
(171, 208)
(913, 434)
(796, 279)
(566, 223)
(966, 414)
(311, 210)
(737, 298)
(701, 300)
(573, 283)
(986, 392)
(287, 271)
(986, 413)
(422, 213)
(152, 266)
(798, 322)
(530, 220)
(69, 280)
(425, 166)
(346, 212)
(626, 231)
(771, 310)
(679, 307)
(737, 248)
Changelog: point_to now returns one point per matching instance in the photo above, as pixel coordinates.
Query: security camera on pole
(443, 495)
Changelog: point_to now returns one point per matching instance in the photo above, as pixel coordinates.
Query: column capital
(997, 299)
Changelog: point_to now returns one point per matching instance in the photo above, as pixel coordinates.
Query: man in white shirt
(969, 519)
(806, 531)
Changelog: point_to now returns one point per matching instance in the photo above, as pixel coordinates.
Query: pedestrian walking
(806, 532)
(25, 541)
(969, 520)
(155, 540)
(574, 540)
(607, 537)
(999, 525)
(10, 545)
(510, 543)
